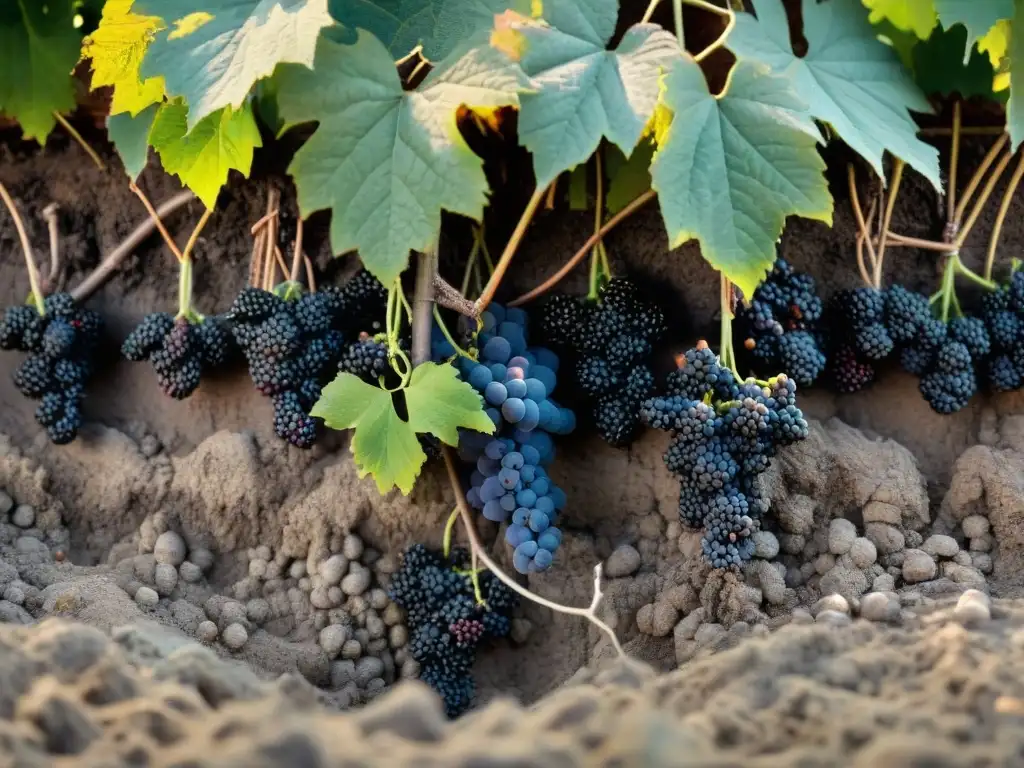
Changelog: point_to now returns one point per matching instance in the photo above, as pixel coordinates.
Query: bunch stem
(26, 247)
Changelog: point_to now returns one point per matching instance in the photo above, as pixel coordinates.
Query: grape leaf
(214, 50)
(628, 178)
(439, 403)
(977, 18)
(582, 91)
(917, 16)
(116, 49)
(851, 80)
(388, 161)
(1014, 109)
(130, 136)
(939, 67)
(438, 25)
(203, 157)
(384, 444)
(729, 169)
(38, 49)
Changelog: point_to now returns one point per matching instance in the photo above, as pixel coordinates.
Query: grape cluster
(61, 346)
(446, 625)
(608, 345)
(724, 435)
(293, 348)
(179, 350)
(509, 481)
(781, 325)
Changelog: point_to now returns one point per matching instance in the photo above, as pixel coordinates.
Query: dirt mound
(933, 692)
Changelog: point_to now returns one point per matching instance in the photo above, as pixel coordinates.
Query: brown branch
(449, 297)
(26, 247)
(50, 216)
(581, 254)
(297, 252)
(423, 305)
(155, 216)
(113, 260)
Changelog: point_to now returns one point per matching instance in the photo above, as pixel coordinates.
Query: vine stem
(577, 257)
(50, 216)
(861, 266)
(916, 242)
(862, 224)
(1004, 207)
(972, 219)
(448, 335)
(113, 260)
(894, 188)
(81, 141)
(727, 353)
(26, 247)
(423, 305)
(595, 254)
(297, 253)
(589, 613)
(652, 6)
(720, 40)
(510, 250)
(979, 172)
(954, 159)
(677, 15)
(185, 279)
(157, 221)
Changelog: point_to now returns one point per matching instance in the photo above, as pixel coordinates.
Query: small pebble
(841, 535)
(14, 594)
(974, 607)
(398, 636)
(918, 566)
(165, 579)
(6, 503)
(879, 606)
(352, 547)
(235, 636)
(190, 572)
(297, 569)
(834, 618)
(24, 516)
(333, 638)
(378, 599)
(766, 545)
(411, 669)
(202, 557)
(357, 582)
(392, 615)
(352, 649)
(207, 631)
(147, 597)
(863, 553)
(170, 548)
(343, 672)
(624, 561)
(834, 602)
(257, 568)
(320, 598)
(975, 526)
(258, 610)
(333, 569)
(938, 545)
(368, 668)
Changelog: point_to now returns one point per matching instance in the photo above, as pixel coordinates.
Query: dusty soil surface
(179, 587)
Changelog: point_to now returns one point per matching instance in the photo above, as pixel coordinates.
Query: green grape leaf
(1015, 109)
(628, 178)
(582, 91)
(939, 68)
(917, 16)
(130, 136)
(439, 403)
(384, 444)
(579, 195)
(213, 51)
(440, 26)
(851, 80)
(387, 161)
(203, 157)
(116, 49)
(39, 47)
(976, 17)
(730, 169)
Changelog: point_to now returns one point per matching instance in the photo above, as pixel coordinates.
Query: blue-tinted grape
(540, 486)
(513, 460)
(531, 419)
(479, 377)
(513, 410)
(526, 497)
(496, 393)
(509, 478)
(550, 539)
(496, 450)
(539, 522)
(493, 511)
(545, 376)
(527, 473)
(519, 361)
(543, 559)
(497, 350)
(491, 489)
(515, 388)
(546, 358)
(512, 373)
(545, 504)
(530, 454)
(521, 516)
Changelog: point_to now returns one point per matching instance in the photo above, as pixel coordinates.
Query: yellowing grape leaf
(730, 169)
(582, 91)
(130, 135)
(384, 444)
(203, 157)
(850, 79)
(213, 51)
(38, 49)
(387, 161)
(977, 17)
(116, 49)
(438, 25)
(917, 16)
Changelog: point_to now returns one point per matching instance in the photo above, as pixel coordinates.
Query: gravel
(918, 566)
(234, 636)
(624, 561)
(333, 569)
(974, 607)
(841, 535)
(147, 597)
(938, 545)
(24, 516)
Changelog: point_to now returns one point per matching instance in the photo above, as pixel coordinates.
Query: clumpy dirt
(179, 587)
